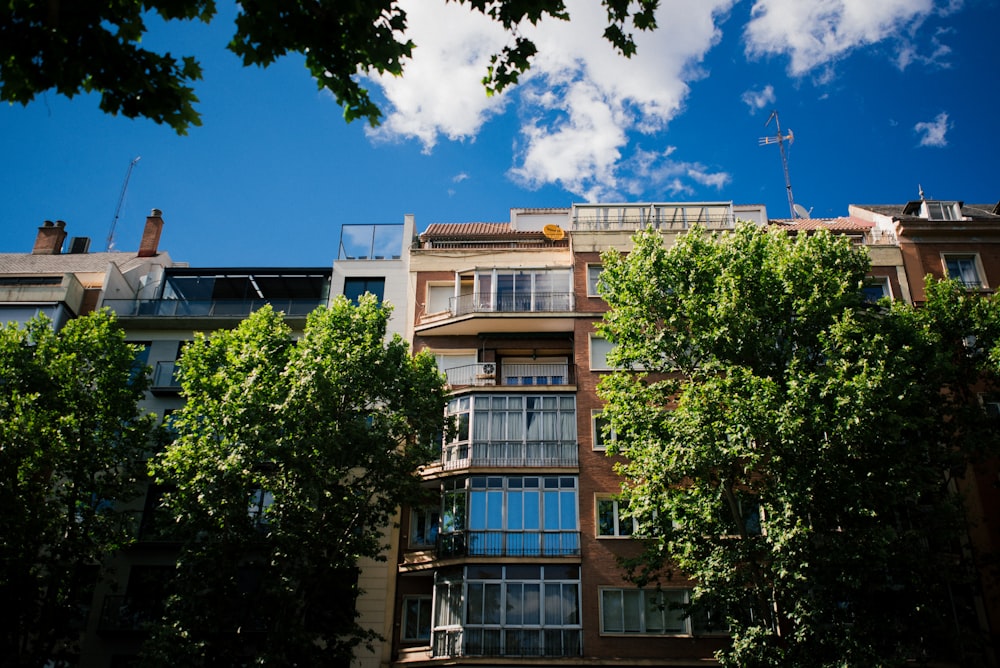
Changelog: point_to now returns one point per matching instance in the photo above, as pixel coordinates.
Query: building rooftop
(71, 263)
(841, 224)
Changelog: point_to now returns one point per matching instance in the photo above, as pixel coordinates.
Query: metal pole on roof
(779, 139)
(118, 208)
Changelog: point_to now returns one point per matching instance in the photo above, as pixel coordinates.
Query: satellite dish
(800, 211)
(553, 232)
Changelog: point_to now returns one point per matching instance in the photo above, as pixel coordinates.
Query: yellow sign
(553, 232)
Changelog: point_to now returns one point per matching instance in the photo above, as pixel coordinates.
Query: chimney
(151, 235)
(50, 238)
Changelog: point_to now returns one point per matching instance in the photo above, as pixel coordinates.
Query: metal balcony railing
(509, 543)
(510, 454)
(211, 308)
(507, 642)
(537, 302)
(486, 374)
(661, 216)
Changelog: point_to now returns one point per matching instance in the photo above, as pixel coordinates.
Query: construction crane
(780, 140)
(118, 209)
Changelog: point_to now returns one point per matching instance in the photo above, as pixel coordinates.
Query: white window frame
(423, 602)
(649, 600)
(593, 278)
(439, 285)
(976, 265)
(597, 437)
(598, 353)
(881, 281)
(947, 210)
(498, 620)
(618, 521)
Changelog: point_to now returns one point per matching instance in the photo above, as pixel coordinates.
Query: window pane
(531, 611)
(474, 615)
(515, 603)
(568, 514)
(612, 612)
(491, 604)
(631, 605)
(605, 517)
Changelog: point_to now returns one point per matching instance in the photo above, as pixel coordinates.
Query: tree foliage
(95, 46)
(793, 449)
(71, 440)
(291, 458)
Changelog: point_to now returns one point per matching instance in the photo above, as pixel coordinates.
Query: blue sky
(882, 97)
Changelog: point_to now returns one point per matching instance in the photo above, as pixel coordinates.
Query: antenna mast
(780, 139)
(118, 209)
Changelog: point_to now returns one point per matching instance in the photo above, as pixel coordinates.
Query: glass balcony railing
(510, 454)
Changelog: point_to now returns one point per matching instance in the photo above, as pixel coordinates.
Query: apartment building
(179, 302)
(515, 555)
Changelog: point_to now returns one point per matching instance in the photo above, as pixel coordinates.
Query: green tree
(793, 449)
(94, 46)
(71, 440)
(292, 456)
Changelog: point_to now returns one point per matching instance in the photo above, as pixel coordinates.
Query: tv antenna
(118, 209)
(780, 140)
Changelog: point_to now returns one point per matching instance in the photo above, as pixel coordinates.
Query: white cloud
(933, 132)
(759, 99)
(908, 52)
(458, 178)
(579, 103)
(441, 92)
(818, 32)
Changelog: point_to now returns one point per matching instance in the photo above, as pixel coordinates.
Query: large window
(356, 286)
(657, 612)
(519, 290)
(511, 515)
(512, 430)
(514, 610)
(965, 269)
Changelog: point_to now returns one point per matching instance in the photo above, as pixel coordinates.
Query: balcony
(511, 642)
(660, 216)
(500, 543)
(514, 374)
(510, 454)
(208, 308)
(538, 302)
